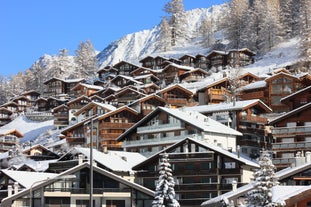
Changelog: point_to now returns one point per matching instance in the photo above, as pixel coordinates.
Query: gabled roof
(252, 86)
(238, 106)
(92, 104)
(216, 52)
(304, 90)
(79, 98)
(181, 67)
(39, 146)
(281, 74)
(4, 131)
(88, 86)
(193, 118)
(31, 92)
(290, 113)
(117, 161)
(124, 62)
(10, 104)
(129, 78)
(25, 178)
(148, 97)
(118, 110)
(5, 110)
(204, 144)
(60, 107)
(8, 200)
(175, 86)
(213, 83)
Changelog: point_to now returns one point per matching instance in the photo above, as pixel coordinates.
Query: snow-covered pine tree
(164, 192)
(177, 21)
(86, 60)
(263, 182)
(164, 41)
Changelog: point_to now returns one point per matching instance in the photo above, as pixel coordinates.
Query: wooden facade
(9, 138)
(5, 116)
(112, 124)
(61, 116)
(177, 96)
(200, 171)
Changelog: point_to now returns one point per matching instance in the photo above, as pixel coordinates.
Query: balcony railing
(291, 145)
(291, 130)
(155, 141)
(160, 127)
(283, 161)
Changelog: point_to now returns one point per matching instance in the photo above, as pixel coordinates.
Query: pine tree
(177, 21)
(165, 193)
(206, 30)
(263, 182)
(86, 60)
(164, 41)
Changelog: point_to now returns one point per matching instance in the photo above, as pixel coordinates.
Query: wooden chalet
(216, 59)
(112, 124)
(5, 116)
(147, 104)
(247, 78)
(143, 71)
(147, 88)
(188, 60)
(75, 134)
(24, 103)
(91, 109)
(153, 62)
(32, 96)
(177, 96)
(123, 80)
(61, 116)
(291, 133)
(50, 103)
(39, 152)
(107, 73)
(193, 75)
(76, 104)
(214, 92)
(272, 90)
(83, 89)
(109, 189)
(60, 88)
(298, 99)
(125, 68)
(42, 104)
(124, 97)
(172, 72)
(201, 62)
(247, 117)
(201, 171)
(240, 57)
(9, 138)
(107, 91)
(164, 126)
(97, 98)
(147, 79)
(12, 106)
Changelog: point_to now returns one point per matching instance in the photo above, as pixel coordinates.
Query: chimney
(10, 189)
(15, 187)
(299, 160)
(105, 149)
(80, 158)
(234, 185)
(308, 157)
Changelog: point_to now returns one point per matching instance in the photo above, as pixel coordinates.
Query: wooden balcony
(299, 130)
(110, 136)
(76, 140)
(109, 125)
(293, 146)
(177, 101)
(255, 119)
(253, 95)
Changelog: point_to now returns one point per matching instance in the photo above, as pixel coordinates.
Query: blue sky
(32, 28)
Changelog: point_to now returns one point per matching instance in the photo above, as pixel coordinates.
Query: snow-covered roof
(252, 86)
(238, 105)
(26, 178)
(201, 121)
(115, 160)
(30, 129)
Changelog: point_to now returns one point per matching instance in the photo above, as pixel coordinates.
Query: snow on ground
(30, 129)
(284, 54)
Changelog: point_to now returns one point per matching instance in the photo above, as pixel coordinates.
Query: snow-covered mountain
(136, 46)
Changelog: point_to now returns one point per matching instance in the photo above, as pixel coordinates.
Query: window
(230, 165)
